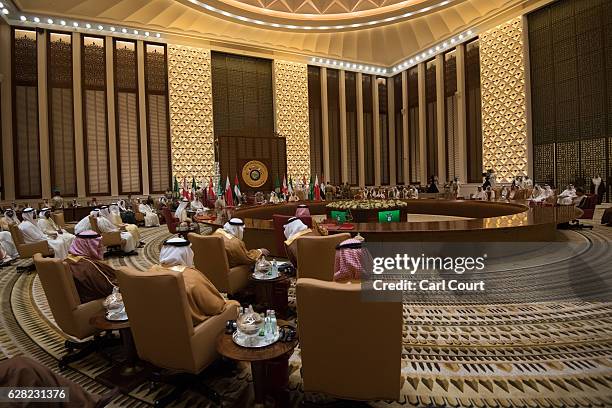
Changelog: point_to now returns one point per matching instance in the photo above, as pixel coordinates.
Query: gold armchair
(316, 256)
(210, 258)
(111, 240)
(28, 250)
(58, 217)
(350, 349)
(164, 334)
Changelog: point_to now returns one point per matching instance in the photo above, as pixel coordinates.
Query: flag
(237, 192)
(317, 190)
(185, 188)
(311, 189)
(290, 185)
(229, 198)
(211, 193)
(194, 187)
(176, 188)
(276, 184)
(284, 190)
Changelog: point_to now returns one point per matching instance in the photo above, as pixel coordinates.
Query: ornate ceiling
(379, 32)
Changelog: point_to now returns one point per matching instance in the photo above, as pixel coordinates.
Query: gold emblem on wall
(255, 173)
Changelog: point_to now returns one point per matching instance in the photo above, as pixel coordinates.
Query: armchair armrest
(28, 250)
(204, 339)
(111, 238)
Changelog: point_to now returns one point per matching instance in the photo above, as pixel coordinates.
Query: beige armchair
(69, 313)
(210, 258)
(157, 306)
(350, 349)
(58, 217)
(316, 256)
(28, 250)
(111, 240)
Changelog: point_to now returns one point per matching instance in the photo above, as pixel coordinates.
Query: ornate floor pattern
(528, 354)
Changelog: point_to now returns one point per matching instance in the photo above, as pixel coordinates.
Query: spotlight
(36, 20)
(49, 21)
(100, 27)
(63, 22)
(75, 24)
(112, 28)
(23, 18)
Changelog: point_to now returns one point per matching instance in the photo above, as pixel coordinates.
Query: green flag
(311, 189)
(276, 184)
(193, 183)
(175, 188)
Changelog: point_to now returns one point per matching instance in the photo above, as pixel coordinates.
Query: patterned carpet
(554, 354)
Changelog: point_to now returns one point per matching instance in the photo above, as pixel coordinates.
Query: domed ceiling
(380, 32)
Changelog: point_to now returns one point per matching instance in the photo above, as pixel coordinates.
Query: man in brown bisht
(93, 278)
(204, 299)
(237, 253)
(21, 371)
(295, 229)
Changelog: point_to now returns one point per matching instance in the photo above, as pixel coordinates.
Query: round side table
(272, 294)
(129, 373)
(269, 366)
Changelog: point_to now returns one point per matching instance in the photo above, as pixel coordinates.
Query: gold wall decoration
(291, 115)
(191, 112)
(504, 117)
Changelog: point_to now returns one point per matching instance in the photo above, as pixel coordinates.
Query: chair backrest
(210, 258)
(316, 256)
(338, 334)
(62, 296)
(16, 234)
(157, 308)
(94, 224)
(58, 217)
(171, 220)
(279, 222)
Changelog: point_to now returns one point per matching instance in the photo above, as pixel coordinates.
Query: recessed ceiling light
(5, 11)
(88, 25)
(49, 21)
(75, 24)
(100, 27)
(112, 28)
(63, 22)
(23, 18)
(36, 20)
(146, 33)
(124, 30)
(136, 32)
(158, 35)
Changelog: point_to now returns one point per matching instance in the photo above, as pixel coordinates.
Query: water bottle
(268, 325)
(273, 324)
(274, 269)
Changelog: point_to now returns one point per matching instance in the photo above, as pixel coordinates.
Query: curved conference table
(492, 221)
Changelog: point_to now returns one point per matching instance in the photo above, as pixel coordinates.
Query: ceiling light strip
(322, 27)
(7, 11)
(348, 66)
(433, 51)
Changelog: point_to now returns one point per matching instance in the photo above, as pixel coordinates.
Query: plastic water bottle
(274, 269)
(268, 325)
(273, 324)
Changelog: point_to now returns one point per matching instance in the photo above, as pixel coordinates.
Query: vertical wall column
(343, 136)
(325, 124)
(391, 117)
(360, 136)
(376, 126)
(6, 127)
(77, 97)
(502, 78)
(440, 119)
(422, 126)
(142, 117)
(461, 112)
(291, 115)
(404, 124)
(112, 130)
(43, 116)
(529, 123)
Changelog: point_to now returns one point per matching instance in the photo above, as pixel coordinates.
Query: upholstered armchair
(171, 221)
(58, 217)
(316, 256)
(27, 251)
(210, 259)
(163, 331)
(69, 313)
(111, 240)
(350, 348)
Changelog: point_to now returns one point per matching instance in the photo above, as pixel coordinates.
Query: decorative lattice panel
(191, 112)
(504, 120)
(291, 115)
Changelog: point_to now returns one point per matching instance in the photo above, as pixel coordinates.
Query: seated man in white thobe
(480, 194)
(115, 218)
(150, 216)
(7, 246)
(32, 233)
(181, 211)
(84, 224)
(51, 229)
(567, 196)
(128, 243)
(197, 206)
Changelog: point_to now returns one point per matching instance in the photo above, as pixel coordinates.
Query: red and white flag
(317, 189)
(284, 189)
(229, 197)
(185, 189)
